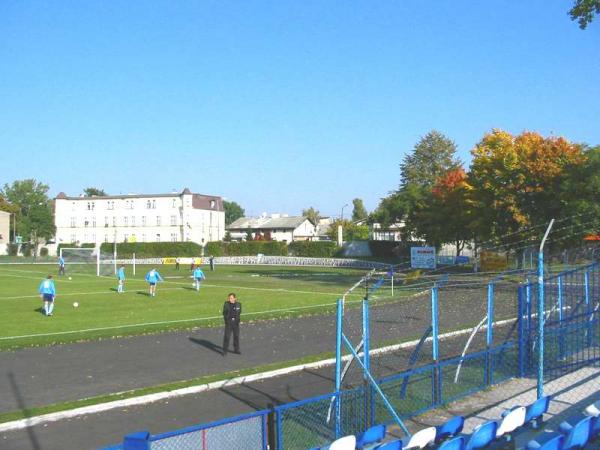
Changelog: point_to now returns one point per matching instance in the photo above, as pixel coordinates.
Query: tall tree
(431, 158)
(359, 211)
(34, 215)
(583, 11)
(312, 214)
(350, 231)
(94, 192)
(517, 181)
(233, 212)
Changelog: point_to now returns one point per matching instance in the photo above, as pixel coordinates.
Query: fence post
(561, 337)
(588, 308)
(137, 441)
(366, 359)
(489, 335)
(540, 319)
(437, 381)
(279, 428)
(271, 428)
(520, 333)
(338, 366)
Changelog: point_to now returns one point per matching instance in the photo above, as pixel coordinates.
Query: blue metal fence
(506, 348)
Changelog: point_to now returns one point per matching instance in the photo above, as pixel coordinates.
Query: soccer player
(198, 277)
(121, 278)
(61, 265)
(47, 292)
(152, 278)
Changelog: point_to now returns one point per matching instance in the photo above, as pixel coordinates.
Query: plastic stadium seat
(451, 428)
(593, 409)
(373, 435)
(457, 443)
(577, 431)
(422, 438)
(392, 445)
(546, 441)
(344, 443)
(535, 411)
(482, 436)
(511, 421)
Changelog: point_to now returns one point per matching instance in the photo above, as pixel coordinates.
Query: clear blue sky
(278, 105)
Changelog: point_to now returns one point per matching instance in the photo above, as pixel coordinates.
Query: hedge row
(153, 249)
(392, 249)
(323, 249)
(246, 248)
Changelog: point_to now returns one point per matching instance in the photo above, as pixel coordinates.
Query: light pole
(342, 215)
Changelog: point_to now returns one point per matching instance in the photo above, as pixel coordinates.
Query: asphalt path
(45, 375)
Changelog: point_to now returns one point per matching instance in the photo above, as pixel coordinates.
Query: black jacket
(232, 312)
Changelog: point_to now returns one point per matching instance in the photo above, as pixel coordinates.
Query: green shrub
(26, 250)
(246, 248)
(44, 251)
(12, 249)
(317, 249)
(153, 249)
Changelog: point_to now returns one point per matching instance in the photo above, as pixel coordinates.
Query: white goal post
(79, 259)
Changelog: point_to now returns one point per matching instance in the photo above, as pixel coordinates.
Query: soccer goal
(88, 260)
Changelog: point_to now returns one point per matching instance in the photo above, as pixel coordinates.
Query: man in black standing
(232, 310)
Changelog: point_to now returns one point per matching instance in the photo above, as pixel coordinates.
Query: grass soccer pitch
(265, 292)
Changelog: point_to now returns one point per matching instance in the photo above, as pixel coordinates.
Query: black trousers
(231, 327)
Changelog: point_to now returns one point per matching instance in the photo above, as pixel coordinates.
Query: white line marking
(151, 398)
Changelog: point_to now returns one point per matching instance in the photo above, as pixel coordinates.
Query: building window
(153, 204)
(131, 204)
(212, 204)
(143, 221)
(94, 221)
(157, 237)
(158, 221)
(174, 203)
(89, 206)
(105, 221)
(173, 220)
(73, 222)
(133, 221)
(94, 238)
(85, 222)
(126, 237)
(173, 237)
(125, 221)
(73, 206)
(148, 204)
(93, 206)
(111, 205)
(106, 238)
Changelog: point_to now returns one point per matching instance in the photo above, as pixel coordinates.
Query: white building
(176, 217)
(4, 232)
(275, 227)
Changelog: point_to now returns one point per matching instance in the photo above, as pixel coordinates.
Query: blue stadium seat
(577, 431)
(392, 445)
(546, 441)
(373, 435)
(535, 412)
(457, 443)
(449, 429)
(482, 436)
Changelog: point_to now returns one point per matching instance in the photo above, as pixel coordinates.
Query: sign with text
(422, 257)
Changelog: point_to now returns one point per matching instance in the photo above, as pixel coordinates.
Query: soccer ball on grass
(75, 304)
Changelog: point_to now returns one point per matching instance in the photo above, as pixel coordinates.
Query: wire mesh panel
(244, 434)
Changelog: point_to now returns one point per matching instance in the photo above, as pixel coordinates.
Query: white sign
(422, 257)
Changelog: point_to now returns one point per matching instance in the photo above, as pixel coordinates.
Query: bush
(12, 249)
(44, 251)
(316, 249)
(26, 250)
(246, 248)
(392, 249)
(153, 249)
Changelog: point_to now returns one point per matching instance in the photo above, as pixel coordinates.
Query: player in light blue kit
(61, 266)
(152, 278)
(121, 278)
(47, 292)
(198, 277)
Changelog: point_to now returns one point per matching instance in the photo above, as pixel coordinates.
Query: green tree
(233, 212)
(358, 212)
(432, 157)
(350, 231)
(312, 214)
(583, 11)
(94, 192)
(34, 215)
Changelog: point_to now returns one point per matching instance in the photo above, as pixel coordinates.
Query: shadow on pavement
(207, 344)
(35, 444)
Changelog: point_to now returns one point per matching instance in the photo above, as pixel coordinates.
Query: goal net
(88, 260)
